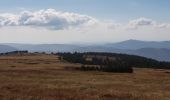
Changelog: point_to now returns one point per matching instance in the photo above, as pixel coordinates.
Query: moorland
(38, 76)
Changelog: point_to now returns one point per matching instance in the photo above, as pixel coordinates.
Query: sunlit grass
(44, 77)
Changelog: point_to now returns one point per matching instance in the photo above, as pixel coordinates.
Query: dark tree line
(121, 62)
(107, 68)
(14, 52)
(96, 64)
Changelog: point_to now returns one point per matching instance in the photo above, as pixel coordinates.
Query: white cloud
(8, 19)
(57, 20)
(140, 22)
(163, 25)
(145, 23)
(114, 25)
(49, 18)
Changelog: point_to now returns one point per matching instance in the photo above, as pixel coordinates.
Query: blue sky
(121, 10)
(83, 21)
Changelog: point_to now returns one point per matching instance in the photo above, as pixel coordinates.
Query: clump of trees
(107, 68)
(73, 57)
(102, 63)
(15, 52)
(114, 60)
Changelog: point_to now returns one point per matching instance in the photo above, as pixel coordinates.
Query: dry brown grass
(44, 77)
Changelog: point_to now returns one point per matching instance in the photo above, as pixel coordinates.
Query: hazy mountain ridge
(6, 48)
(136, 44)
(155, 50)
(161, 54)
(44, 47)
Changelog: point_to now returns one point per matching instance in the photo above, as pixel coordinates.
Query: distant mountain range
(6, 48)
(155, 50)
(45, 47)
(136, 44)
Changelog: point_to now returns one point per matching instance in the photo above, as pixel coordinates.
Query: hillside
(34, 76)
(160, 54)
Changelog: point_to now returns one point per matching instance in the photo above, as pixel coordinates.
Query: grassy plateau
(45, 77)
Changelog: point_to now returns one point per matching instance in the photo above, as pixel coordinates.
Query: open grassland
(44, 77)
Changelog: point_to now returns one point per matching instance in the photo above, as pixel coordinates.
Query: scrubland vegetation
(39, 76)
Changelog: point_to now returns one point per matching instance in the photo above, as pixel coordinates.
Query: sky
(83, 21)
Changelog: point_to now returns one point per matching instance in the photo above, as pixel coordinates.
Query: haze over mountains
(6, 48)
(136, 44)
(155, 50)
